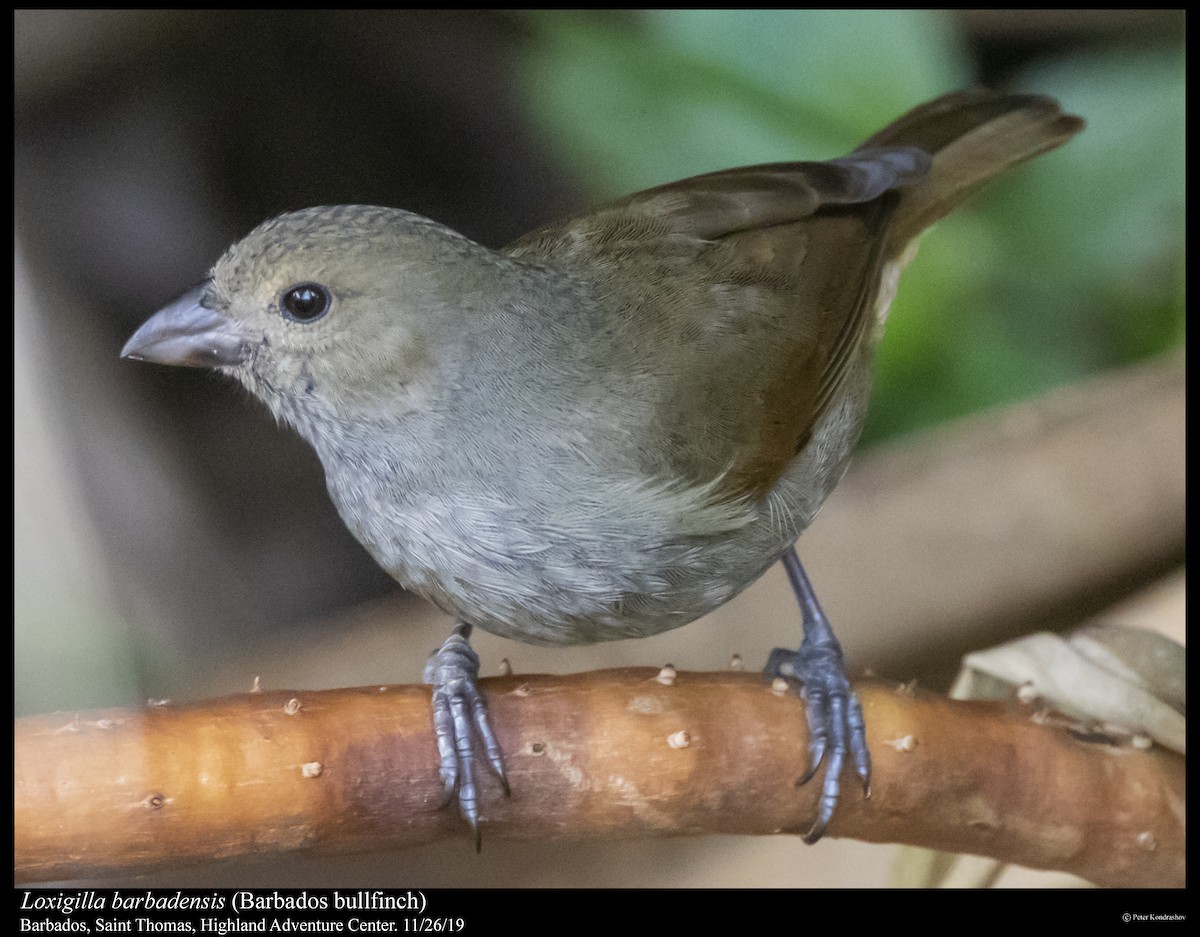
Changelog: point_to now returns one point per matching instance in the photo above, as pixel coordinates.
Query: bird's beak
(188, 333)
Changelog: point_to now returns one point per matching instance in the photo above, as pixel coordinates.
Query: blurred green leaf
(672, 93)
(1071, 264)
(1105, 221)
(1074, 262)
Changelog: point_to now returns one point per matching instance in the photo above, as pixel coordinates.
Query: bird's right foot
(459, 716)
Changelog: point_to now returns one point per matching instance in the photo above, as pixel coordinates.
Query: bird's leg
(459, 715)
(835, 721)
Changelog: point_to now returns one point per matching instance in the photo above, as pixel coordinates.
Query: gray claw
(835, 721)
(459, 716)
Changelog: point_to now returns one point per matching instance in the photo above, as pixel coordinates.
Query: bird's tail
(972, 136)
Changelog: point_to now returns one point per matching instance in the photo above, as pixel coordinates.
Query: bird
(614, 424)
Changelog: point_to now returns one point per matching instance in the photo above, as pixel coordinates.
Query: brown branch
(607, 753)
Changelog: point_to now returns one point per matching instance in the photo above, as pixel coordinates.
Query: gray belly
(604, 561)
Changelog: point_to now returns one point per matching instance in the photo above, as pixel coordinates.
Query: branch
(607, 753)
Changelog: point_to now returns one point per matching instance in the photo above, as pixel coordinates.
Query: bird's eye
(305, 302)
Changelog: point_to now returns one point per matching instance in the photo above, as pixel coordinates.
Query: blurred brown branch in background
(1039, 514)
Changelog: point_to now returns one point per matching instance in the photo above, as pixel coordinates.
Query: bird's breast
(559, 568)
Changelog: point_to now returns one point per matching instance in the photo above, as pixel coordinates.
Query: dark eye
(305, 302)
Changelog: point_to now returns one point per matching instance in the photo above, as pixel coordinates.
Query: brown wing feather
(761, 281)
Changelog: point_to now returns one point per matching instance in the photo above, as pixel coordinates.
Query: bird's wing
(751, 290)
(743, 297)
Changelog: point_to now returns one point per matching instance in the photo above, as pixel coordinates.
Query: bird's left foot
(459, 715)
(835, 721)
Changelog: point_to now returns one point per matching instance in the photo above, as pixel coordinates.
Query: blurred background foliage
(171, 541)
(1070, 265)
(146, 141)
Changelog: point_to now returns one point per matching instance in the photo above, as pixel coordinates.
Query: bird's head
(335, 309)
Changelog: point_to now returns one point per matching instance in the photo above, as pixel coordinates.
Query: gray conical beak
(188, 333)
